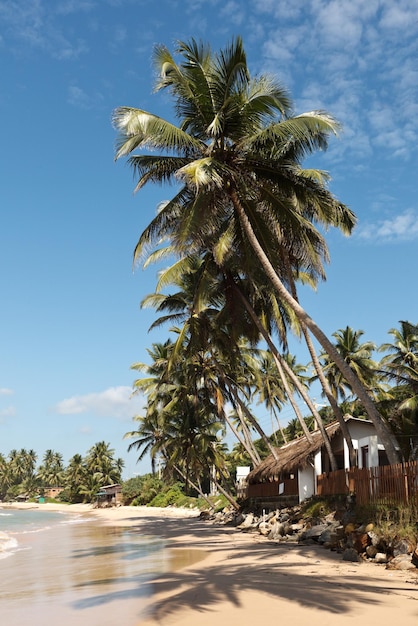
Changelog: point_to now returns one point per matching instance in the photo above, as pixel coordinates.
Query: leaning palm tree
(237, 156)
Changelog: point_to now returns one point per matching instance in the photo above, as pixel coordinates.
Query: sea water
(59, 569)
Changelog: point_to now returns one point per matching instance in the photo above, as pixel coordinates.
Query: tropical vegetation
(243, 229)
(79, 481)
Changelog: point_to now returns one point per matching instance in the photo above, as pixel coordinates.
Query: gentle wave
(8, 545)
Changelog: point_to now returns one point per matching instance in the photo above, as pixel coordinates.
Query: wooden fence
(286, 487)
(388, 484)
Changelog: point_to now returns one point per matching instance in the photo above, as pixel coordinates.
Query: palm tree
(100, 462)
(51, 471)
(358, 355)
(400, 366)
(237, 154)
(75, 474)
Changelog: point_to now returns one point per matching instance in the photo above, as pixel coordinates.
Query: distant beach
(195, 573)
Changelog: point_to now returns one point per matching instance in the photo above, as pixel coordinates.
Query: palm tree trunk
(253, 422)
(383, 432)
(333, 403)
(196, 487)
(281, 363)
(227, 495)
(250, 449)
(322, 379)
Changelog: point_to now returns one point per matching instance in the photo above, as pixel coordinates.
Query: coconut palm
(51, 470)
(237, 155)
(75, 476)
(400, 366)
(100, 461)
(358, 355)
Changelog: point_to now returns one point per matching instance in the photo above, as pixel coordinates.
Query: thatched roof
(293, 455)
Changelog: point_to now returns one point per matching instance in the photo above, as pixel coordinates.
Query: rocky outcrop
(335, 532)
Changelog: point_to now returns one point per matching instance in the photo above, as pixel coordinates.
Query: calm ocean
(62, 569)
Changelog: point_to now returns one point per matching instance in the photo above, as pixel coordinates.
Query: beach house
(293, 477)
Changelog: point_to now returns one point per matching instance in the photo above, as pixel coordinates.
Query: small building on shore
(292, 477)
(110, 495)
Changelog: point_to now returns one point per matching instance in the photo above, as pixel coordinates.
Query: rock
(315, 532)
(264, 528)
(296, 528)
(371, 551)
(247, 522)
(414, 559)
(402, 546)
(350, 554)
(380, 557)
(277, 531)
(360, 541)
(401, 562)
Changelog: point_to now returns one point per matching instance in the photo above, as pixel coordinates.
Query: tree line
(82, 478)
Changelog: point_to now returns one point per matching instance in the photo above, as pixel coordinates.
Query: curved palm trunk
(251, 451)
(323, 381)
(227, 495)
(281, 364)
(233, 394)
(279, 425)
(278, 361)
(383, 432)
(333, 403)
(253, 422)
(196, 487)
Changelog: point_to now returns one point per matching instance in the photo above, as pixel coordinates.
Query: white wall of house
(363, 434)
(307, 483)
(368, 452)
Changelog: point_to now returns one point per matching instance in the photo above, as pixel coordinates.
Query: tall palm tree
(51, 470)
(237, 156)
(100, 461)
(75, 476)
(400, 366)
(358, 355)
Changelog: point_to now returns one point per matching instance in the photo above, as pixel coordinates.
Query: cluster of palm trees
(81, 479)
(244, 227)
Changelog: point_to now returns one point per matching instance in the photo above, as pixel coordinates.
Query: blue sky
(71, 325)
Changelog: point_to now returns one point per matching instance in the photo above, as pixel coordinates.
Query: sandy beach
(220, 575)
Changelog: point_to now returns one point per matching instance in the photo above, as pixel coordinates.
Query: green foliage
(173, 496)
(316, 507)
(392, 522)
(140, 490)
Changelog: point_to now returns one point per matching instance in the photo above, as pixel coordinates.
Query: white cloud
(6, 392)
(112, 402)
(402, 227)
(81, 99)
(33, 23)
(232, 11)
(8, 411)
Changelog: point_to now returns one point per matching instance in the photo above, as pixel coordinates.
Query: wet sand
(83, 572)
(244, 579)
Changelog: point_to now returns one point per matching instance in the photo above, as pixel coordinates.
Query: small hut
(110, 495)
(292, 477)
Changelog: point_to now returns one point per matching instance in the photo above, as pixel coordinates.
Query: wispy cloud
(402, 227)
(33, 24)
(341, 42)
(112, 402)
(78, 97)
(4, 391)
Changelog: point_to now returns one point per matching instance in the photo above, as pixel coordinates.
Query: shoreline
(234, 577)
